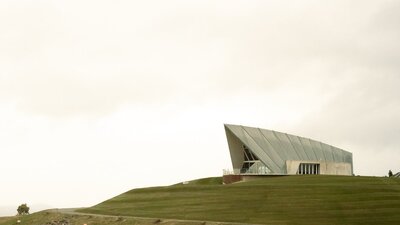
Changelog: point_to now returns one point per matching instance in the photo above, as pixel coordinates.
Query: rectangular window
(308, 168)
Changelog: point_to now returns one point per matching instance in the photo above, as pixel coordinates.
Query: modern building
(256, 151)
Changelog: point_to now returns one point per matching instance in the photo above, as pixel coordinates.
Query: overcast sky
(99, 97)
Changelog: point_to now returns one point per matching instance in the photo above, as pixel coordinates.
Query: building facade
(256, 151)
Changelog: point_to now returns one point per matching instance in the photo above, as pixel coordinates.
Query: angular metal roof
(275, 148)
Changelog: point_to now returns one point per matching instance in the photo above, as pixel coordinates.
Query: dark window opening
(308, 168)
(248, 155)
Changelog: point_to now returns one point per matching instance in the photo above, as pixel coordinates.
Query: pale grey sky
(98, 97)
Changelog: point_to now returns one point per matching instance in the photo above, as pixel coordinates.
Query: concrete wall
(326, 168)
(236, 151)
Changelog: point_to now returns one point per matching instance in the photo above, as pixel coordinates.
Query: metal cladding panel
(269, 135)
(337, 154)
(317, 150)
(328, 152)
(255, 148)
(297, 145)
(308, 149)
(236, 130)
(319, 145)
(261, 141)
(285, 142)
(348, 157)
(262, 155)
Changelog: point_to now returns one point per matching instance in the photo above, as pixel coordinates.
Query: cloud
(64, 61)
(340, 59)
(364, 102)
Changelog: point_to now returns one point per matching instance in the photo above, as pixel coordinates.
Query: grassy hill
(274, 200)
(4, 219)
(51, 217)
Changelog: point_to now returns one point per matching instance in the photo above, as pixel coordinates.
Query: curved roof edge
(301, 137)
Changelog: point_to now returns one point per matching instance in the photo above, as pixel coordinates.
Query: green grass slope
(273, 200)
(5, 219)
(204, 181)
(54, 218)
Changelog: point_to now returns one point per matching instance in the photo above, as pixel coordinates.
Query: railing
(246, 171)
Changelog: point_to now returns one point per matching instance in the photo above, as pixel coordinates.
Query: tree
(390, 173)
(23, 209)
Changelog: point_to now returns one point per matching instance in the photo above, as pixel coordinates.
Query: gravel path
(72, 211)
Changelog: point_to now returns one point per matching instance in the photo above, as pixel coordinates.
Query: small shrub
(23, 209)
